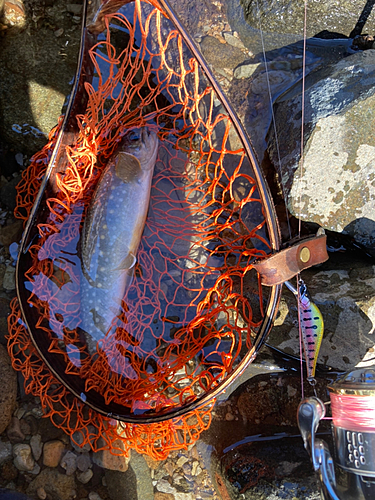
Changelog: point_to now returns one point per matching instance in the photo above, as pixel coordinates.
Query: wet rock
(85, 477)
(233, 40)
(48, 431)
(11, 233)
(58, 486)
(41, 492)
(69, 463)
(78, 439)
(248, 472)
(9, 472)
(221, 56)
(5, 451)
(246, 70)
(344, 290)
(163, 496)
(14, 432)
(23, 459)
(36, 446)
(74, 9)
(83, 462)
(25, 427)
(9, 280)
(197, 17)
(52, 453)
(93, 495)
(132, 484)
(36, 469)
(184, 496)
(9, 389)
(14, 15)
(8, 193)
(336, 187)
(2, 272)
(287, 16)
(254, 81)
(165, 486)
(35, 75)
(105, 459)
(363, 42)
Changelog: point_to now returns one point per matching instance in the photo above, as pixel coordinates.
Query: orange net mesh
(190, 313)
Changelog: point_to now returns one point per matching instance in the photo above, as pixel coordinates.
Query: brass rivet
(304, 254)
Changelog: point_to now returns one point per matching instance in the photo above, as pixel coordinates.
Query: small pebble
(14, 433)
(36, 446)
(19, 159)
(23, 459)
(41, 492)
(9, 280)
(25, 427)
(194, 468)
(181, 461)
(84, 477)
(35, 470)
(5, 452)
(19, 413)
(83, 462)
(59, 32)
(52, 453)
(78, 440)
(69, 463)
(165, 487)
(94, 496)
(73, 8)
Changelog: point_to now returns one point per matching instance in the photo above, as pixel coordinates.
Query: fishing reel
(351, 475)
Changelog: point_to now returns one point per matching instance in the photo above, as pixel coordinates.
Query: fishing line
(273, 120)
(354, 412)
(300, 186)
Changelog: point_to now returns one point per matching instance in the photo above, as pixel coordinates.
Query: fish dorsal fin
(128, 167)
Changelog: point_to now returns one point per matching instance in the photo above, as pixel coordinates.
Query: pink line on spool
(356, 413)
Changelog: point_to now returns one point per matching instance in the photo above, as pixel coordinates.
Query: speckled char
(112, 231)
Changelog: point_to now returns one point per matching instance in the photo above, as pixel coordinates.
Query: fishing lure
(312, 327)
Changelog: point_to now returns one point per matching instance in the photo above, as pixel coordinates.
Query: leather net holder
(287, 263)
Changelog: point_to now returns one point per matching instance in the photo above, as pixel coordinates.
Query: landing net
(195, 306)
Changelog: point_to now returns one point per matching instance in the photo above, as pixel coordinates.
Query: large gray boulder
(287, 16)
(336, 185)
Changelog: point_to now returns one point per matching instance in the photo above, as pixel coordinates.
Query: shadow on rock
(38, 59)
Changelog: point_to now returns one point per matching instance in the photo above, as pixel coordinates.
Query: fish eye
(134, 135)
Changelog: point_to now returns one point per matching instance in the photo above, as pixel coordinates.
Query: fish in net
(195, 313)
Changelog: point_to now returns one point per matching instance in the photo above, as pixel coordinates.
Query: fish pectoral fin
(128, 167)
(128, 263)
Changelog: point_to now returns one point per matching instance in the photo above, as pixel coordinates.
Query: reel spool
(353, 427)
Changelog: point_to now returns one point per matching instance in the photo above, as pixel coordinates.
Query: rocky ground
(37, 64)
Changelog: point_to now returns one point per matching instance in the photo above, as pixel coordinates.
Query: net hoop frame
(267, 204)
